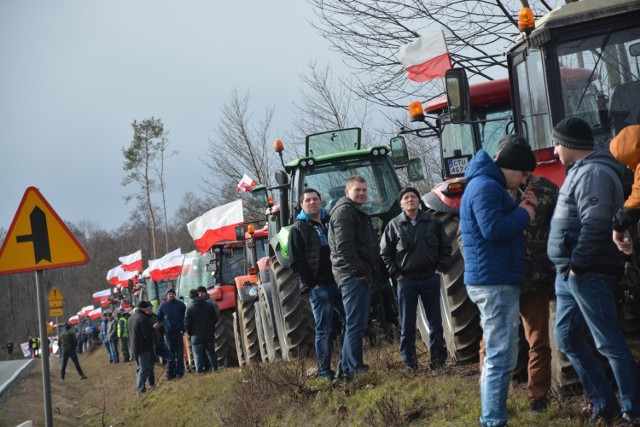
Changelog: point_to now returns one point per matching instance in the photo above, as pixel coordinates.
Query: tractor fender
(225, 296)
(244, 284)
(438, 202)
(279, 246)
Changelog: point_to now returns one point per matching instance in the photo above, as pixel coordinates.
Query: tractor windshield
(600, 80)
(329, 179)
(194, 273)
(461, 141)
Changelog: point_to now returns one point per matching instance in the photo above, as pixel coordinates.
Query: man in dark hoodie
(171, 314)
(310, 261)
(200, 323)
(68, 344)
(492, 226)
(355, 259)
(588, 267)
(141, 343)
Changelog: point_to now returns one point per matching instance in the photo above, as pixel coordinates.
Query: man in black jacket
(141, 343)
(355, 260)
(200, 323)
(310, 261)
(413, 246)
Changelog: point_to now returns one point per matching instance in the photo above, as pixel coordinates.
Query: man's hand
(529, 197)
(623, 241)
(529, 208)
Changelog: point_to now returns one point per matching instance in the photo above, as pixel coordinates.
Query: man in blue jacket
(589, 266)
(171, 314)
(492, 226)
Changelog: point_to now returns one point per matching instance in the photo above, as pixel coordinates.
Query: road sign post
(38, 240)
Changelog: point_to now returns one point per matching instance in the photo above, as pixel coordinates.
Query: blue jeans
(113, 350)
(175, 345)
(356, 298)
(144, 372)
(199, 351)
(589, 299)
(74, 358)
(500, 314)
(428, 289)
(325, 303)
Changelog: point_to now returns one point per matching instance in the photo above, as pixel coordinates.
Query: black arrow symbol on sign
(39, 235)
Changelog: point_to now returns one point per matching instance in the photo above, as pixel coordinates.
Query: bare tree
(144, 166)
(242, 146)
(369, 33)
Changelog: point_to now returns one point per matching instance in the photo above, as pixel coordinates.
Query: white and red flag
(125, 276)
(132, 262)
(426, 58)
(73, 320)
(102, 295)
(168, 267)
(112, 275)
(86, 310)
(246, 184)
(217, 225)
(96, 313)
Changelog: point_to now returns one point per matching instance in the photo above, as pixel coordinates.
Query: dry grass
(275, 394)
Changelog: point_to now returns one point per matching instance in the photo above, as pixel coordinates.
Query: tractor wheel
(460, 316)
(237, 335)
(262, 344)
(294, 318)
(225, 343)
(563, 378)
(249, 332)
(270, 335)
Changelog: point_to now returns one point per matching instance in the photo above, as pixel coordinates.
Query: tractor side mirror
(240, 233)
(458, 97)
(399, 153)
(414, 170)
(259, 197)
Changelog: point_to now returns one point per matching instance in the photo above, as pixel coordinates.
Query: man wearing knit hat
(588, 267)
(492, 226)
(413, 246)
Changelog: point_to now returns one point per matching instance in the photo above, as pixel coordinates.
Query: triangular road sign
(38, 239)
(55, 294)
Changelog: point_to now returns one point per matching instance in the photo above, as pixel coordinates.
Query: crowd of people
(522, 239)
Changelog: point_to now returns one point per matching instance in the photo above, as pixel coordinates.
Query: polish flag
(95, 314)
(125, 276)
(86, 310)
(246, 184)
(426, 58)
(168, 267)
(73, 320)
(112, 275)
(217, 225)
(102, 295)
(105, 303)
(132, 262)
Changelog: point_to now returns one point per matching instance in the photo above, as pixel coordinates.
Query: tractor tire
(460, 316)
(249, 332)
(262, 344)
(563, 378)
(237, 335)
(294, 318)
(225, 342)
(270, 335)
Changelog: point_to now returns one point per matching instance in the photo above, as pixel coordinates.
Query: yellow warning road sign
(55, 294)
(55, 304)
(38, 239)
(56, 312)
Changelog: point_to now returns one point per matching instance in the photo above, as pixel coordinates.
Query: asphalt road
(10, 369)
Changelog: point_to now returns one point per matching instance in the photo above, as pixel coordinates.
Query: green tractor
(330, 159)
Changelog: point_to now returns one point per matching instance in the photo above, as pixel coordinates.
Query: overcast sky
(75, 74)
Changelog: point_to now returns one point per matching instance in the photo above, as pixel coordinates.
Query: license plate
(457, 166)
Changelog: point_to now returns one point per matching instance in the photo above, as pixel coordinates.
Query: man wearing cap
(141, 343)
(200, 323)
(492, 226)
(68, 344)
(310, 261)
(413, 246)
(588, 267)
(171, 315)
(123, 334)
